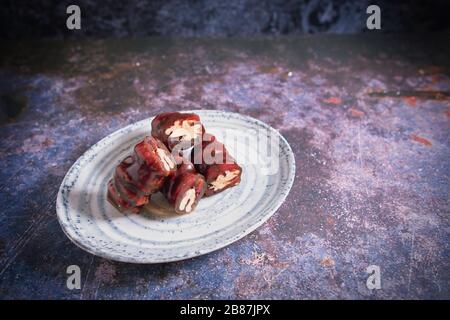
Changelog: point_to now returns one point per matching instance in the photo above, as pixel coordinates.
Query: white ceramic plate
(157, 234)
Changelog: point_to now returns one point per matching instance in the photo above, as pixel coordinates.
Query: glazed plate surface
(157, 234)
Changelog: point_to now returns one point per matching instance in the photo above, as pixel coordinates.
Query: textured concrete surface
(372, 184)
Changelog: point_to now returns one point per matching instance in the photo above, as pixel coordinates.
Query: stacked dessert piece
(180, 160)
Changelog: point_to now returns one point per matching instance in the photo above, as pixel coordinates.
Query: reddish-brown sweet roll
(117, 201)
(219, 168)
(178, 129)
(184, 189)
(141, 174)
(220, 177)
(209, 152)
(129, 193)
(153, 163)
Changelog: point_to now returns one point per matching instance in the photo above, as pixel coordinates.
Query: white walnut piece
(188, 200)
(167, 162)
(223, 180)
(185, 130)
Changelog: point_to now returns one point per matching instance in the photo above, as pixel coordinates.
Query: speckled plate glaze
(158, 234)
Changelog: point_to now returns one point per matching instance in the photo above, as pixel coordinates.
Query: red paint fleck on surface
(421, 140)
(327, 262)
(412, 101)
(330, 220)
(447, 113)
(47, 142)
(355, 113)
(269, 69)
(333, 100)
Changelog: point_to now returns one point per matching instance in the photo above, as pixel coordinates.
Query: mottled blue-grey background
(111, 18)
(372, 181)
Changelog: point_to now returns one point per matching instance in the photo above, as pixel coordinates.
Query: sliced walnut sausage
(152, 164)
(218, 167)
(209, 152)
(128, 193)
(185, 189)
(220, 177)
(178, 129)
(141, 174)
(117, 201)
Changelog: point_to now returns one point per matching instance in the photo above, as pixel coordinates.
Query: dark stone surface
(112, 18)
(372, 181)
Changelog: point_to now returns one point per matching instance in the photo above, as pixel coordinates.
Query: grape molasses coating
(184, 189)
(178, 130)
(140, 175)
